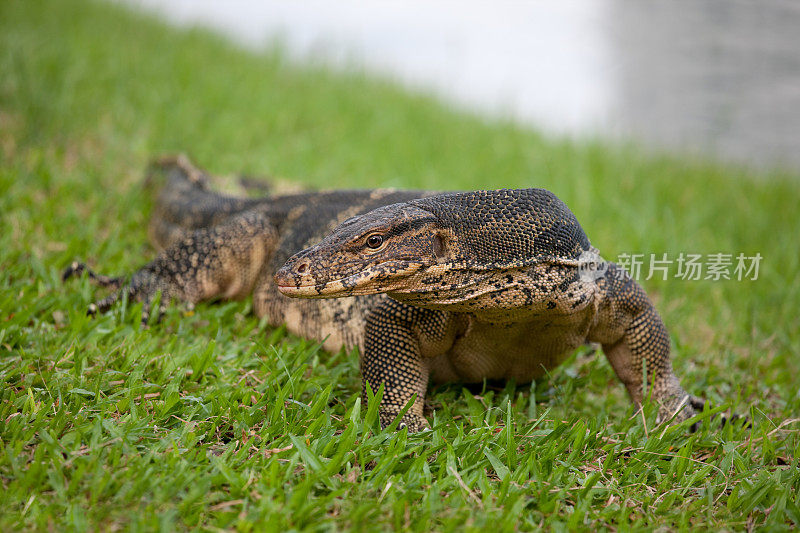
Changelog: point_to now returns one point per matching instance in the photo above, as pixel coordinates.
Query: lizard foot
(682, 408)
(676, 409)
(143, 287)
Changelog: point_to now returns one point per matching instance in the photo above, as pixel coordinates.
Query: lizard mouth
(376, 279)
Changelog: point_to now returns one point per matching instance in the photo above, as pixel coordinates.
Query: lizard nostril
(302, 267)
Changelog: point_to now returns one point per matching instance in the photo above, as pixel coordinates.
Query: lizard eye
(375, 241)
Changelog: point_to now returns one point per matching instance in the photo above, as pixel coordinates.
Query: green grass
(219, 421)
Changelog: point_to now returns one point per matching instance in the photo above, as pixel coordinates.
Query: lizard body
(430, 287)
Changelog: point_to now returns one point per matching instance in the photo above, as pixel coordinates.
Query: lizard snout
(293, 274)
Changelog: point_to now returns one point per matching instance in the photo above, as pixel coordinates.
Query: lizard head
(376, 252)
(462, 251)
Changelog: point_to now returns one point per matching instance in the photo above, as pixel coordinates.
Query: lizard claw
(75, 269)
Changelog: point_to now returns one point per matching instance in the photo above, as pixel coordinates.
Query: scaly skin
(430, 287)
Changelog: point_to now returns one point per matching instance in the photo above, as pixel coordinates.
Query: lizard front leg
(634, 338)
(399, 342)
(219, 262)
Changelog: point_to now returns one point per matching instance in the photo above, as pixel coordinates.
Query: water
(716, 77)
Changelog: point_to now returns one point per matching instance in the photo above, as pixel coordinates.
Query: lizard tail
(185, 201)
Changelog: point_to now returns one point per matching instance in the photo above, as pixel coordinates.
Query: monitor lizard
(430, 287)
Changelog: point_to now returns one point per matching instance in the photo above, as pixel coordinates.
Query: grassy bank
(220, 421)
